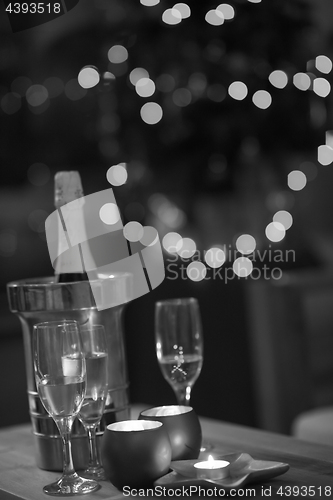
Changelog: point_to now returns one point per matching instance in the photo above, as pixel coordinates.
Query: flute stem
(183, 394)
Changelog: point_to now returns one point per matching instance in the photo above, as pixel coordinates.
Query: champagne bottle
(69, 266)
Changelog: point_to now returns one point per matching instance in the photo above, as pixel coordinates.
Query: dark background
(222, 163)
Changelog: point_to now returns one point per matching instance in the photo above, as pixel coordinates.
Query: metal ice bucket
(41, 299)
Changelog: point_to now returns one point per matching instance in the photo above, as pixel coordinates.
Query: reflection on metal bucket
(41, 299)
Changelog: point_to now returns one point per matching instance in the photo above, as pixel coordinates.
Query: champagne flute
(60, 372)
(95, 352)
(179, 344)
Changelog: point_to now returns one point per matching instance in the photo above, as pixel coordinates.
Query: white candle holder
(135, 453)
(183, 426)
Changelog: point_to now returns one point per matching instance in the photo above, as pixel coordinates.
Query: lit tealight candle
(212, 469)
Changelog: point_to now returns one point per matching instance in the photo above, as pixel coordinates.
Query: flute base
(97, 473)
(71, 485)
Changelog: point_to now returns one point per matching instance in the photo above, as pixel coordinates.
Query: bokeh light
(117, 175)
(150, 236)
(182, 97)
(323, 64)
(74, 91)
(280, 200)
(109, 213)
(246, 244)
(283, 217)
(167, 211)
(217, 167)
(36, 95)
(10, 103)
(215, 50)
(149, 3)
(214, 17)
(325, 155)
(133, 231)
(302, 81)
(226, 10)
(238, 90)
(262, 99)
(254, 1)
(321, 87)
(36, 220)
(88, 77)
(187, 248)
(296, 180)
(151, 113)
(184, 10)
(215, 257)
(54, 85)
(242, 267)
(275, 231)
(216, 92)
(171, 16)
(38, 174)
(136, 74)
(156, 202)
(197, 83)
(171, 242)
(145, 87)
(38, 110)
(117, 54)
(278, 79)
(108, 78)
(171, 215)
(8, 243)
(20, 85)
(165, 82)
(196, 271)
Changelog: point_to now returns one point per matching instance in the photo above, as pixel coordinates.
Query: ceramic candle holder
(135, 453)
(183, 427)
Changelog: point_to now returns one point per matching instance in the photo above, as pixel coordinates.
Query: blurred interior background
(220, 116)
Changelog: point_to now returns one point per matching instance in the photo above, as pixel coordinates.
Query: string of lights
(39, 97)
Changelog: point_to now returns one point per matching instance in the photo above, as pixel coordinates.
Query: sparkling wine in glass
(95, 352)
(179, 344)
(60, 373)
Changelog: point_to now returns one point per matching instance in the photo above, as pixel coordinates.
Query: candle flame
(211, 463)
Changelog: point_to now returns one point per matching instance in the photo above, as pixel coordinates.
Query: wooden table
(310, 464)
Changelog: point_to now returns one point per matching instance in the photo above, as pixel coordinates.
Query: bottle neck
(69, 200)
(72, 277)
(70, 259)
